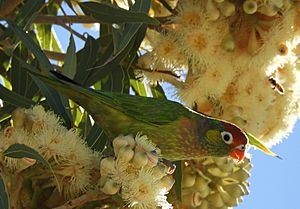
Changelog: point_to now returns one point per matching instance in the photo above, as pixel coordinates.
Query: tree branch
(51, 19)
(9, 6)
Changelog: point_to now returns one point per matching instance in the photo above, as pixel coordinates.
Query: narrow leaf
(22, 150)
(69, 68)
(178, 178)
(14, 98)
(30, 44)
(138, 87)
(96, 138)
(4, 201)
(257, 144)
(108, 13)
(54, 100)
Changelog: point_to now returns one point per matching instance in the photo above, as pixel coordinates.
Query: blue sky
(274, 183)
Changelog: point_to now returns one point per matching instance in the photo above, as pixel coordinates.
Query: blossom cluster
(232, 60)
(136, 173)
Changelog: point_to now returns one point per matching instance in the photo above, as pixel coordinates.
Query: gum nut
(250, 6)
(267, 10)
(240, 175)
(159, 171)
(227, 8)
(167, 182)
(204, 205)
(188, 180)
(118, 143)
(215, 200)
(215, 171)
(130, 140)
(125, 153)
(106, 165)
(18, 117)
(140, 159)
(201, 183)
(235, 190)
(227, 198)
(110, 187)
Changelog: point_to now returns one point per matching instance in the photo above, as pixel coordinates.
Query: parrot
(178, 131)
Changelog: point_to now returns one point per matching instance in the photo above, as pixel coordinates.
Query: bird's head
(228, 139)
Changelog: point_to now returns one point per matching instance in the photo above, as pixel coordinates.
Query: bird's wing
(153, 110)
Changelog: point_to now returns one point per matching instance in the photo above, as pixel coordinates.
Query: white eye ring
(227, 137)
(241, 147)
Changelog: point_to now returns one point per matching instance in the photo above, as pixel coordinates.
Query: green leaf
(138, 87)
(108, 13)
(86, 58)
(44, 35)
(69, 68)
(20, 80)
(178, 178)
(22, 150)
(30, 44)
(157, 91)
(4, 201)
(28, 12)
(96, 138)
(55, 101)
(14, 98)
(257, 144)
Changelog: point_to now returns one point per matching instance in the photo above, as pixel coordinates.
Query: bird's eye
(241, 147)
(227, 137)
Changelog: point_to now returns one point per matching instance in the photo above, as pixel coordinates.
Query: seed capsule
(227, 8)
(228, 43)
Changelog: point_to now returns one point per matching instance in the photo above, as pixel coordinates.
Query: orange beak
(237, 154)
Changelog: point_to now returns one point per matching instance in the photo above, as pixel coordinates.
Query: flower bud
(188, 180)
(118, 143)
(250, 6)
(159, 171)
(227, 198)
(167, 182)
(18, 117)
(228, 43)
(240, 175)
(107, 165)
(215, 200)
(140, 159)
(216, 171)
(227, 8)
(125, 153)
(110, 187)
(211, 11)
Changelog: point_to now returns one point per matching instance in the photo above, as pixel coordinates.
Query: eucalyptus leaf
(4, 199)
(96, 139)
(108, 13)
(69, 68)
(22, 150)
(30, 44)
(14, 98)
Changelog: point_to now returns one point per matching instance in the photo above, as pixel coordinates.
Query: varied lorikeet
(179, 132)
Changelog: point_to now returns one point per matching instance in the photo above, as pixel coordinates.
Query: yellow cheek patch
(213, 135)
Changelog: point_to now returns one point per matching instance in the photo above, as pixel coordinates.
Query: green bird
(179, 132)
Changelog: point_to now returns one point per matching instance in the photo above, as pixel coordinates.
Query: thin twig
(68, 28)
(51, 19)
(157, 70)
(9, 6)
(55, 55)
